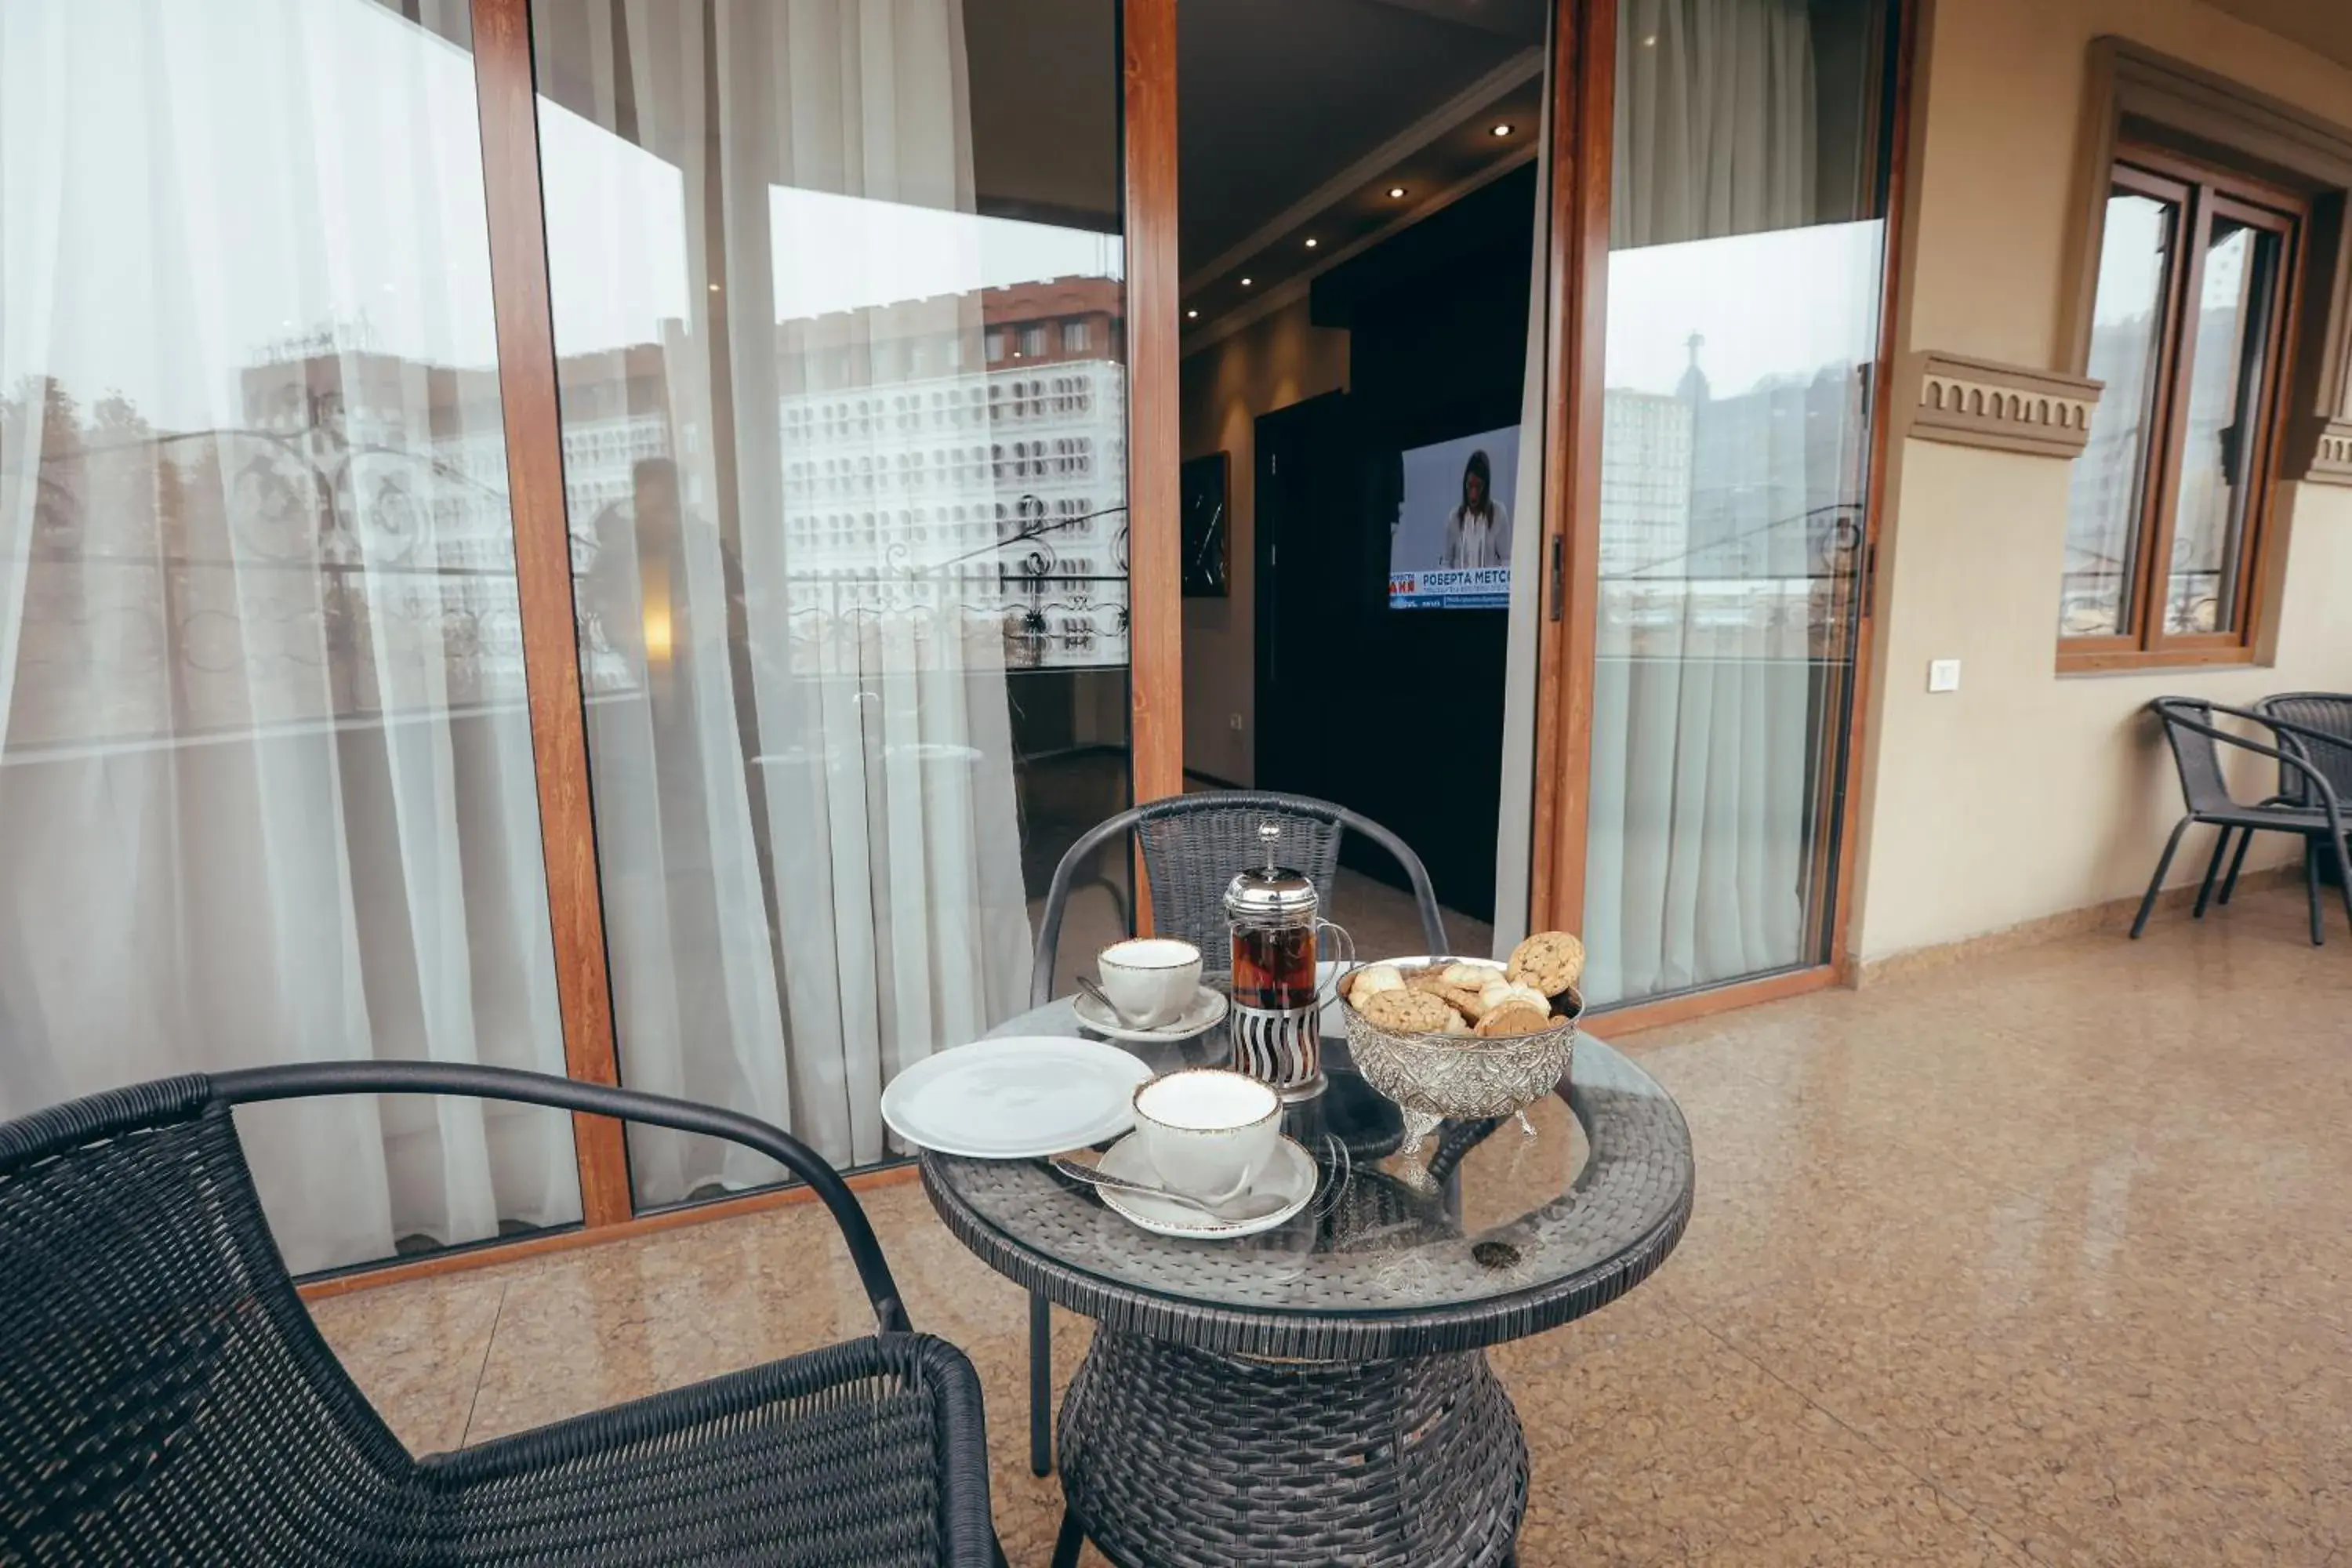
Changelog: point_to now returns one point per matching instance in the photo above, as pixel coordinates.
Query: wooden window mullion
(2268, 411)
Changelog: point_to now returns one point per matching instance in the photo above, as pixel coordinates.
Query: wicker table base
(1175, 1458)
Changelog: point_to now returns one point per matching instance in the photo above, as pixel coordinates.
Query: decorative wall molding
(2330, 460)
(1983, 403)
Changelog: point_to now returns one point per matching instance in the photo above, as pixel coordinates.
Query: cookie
(1458, 1025)
(1515, 1017)
(1550, 961)
(1476, 976)
(1370, 983)
(1502, 991)
(1406, 1012)
(1461, 998)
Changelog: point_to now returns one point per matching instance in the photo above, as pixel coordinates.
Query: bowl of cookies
(1457, 1039)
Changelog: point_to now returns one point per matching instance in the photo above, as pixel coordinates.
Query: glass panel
(2109, 484)
(2226, 390)
(266, 786)
(1363, 185)
(844, 425)
(1744, 285)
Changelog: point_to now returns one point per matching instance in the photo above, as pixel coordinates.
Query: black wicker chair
(2314, 714)
(1193, 844)
(165, 1399)
(2312, 810)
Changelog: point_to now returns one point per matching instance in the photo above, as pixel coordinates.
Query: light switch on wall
(1234, 722)
(1943, 675)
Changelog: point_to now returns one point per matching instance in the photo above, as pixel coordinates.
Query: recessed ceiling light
(1192, 315)
(1648, 41)
(1311, 242)
(714, 287)
(1396, 192)
(1502, 129)
(1247, 282)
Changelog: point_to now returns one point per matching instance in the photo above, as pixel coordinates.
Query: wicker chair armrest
(303, 1081)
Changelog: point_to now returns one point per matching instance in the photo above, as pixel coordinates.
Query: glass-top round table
(1320, 1391)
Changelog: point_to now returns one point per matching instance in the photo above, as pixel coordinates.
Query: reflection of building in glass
(346, 548)
(1645, 481)
(384, 431)
(1726, 516)
(2214, 445)
(936, 451)
(2103, 496)
(615, 414)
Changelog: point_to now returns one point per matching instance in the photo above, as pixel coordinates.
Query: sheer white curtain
(1716, 500)
(1715, 119)
(802, 756)
(266, 787)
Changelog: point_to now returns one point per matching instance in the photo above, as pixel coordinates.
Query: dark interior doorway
(1357, 208)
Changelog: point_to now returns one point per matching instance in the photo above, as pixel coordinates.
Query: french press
(1278, 1005)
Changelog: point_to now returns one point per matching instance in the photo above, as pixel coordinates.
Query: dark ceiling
(1276, 97)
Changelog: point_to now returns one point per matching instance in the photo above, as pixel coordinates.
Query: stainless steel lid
(1270, 893)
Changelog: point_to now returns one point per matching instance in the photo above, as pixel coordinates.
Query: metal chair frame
(2313, 811)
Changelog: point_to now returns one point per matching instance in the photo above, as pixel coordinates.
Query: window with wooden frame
(2191, 324)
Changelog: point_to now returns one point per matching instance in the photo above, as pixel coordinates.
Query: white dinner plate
(1204, 1011)
(1020, 1098)
(1289, 1175)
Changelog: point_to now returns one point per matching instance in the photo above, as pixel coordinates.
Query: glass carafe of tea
(1273, 913)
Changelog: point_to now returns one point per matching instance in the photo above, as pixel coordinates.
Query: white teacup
(1208, 1131)
(1151, 979)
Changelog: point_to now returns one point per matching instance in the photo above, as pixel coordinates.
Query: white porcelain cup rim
(1150, 953)
(1221, 1077)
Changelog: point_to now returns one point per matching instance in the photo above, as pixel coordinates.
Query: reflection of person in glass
(1479, 533)
(652, 603)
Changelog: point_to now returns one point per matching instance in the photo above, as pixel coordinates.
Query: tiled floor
(2041, 1259)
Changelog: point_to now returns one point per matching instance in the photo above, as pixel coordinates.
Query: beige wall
(2024, 793)
(1277, 361)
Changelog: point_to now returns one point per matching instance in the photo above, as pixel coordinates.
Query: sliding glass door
(265, 767)
(840, 334)
(1746, 268)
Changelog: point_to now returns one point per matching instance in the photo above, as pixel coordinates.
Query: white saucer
(1290, 1174)
(1205, 1011)
(1020, 1098)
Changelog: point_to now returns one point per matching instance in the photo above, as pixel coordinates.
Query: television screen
(1450, 545)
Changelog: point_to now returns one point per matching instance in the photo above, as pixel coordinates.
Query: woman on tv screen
(1478, 531)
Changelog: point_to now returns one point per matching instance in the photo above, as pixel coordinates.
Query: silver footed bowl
(1441, 1078)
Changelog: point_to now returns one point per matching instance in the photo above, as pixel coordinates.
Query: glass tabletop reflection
(1486, 1231)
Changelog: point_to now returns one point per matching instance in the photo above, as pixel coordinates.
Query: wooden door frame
(523, 307)
(1583, 106)
(1154, 441)
(1576, 331)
